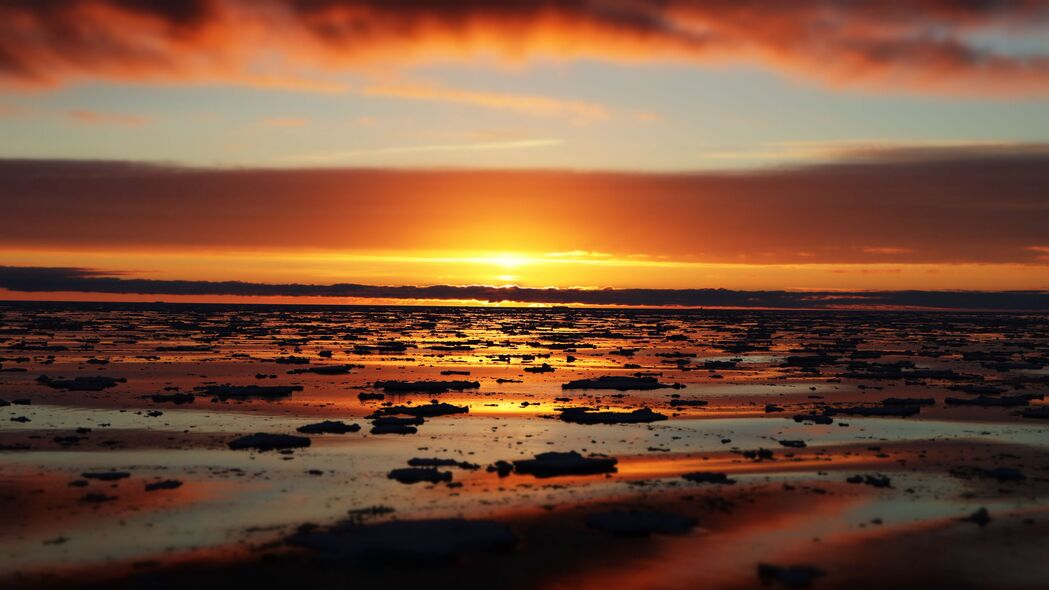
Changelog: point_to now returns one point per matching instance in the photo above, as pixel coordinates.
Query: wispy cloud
(888, 250)
(882, 150)
(1043, 252)
(101, 118)
(578, 112)
(582, 254)
(423, 149)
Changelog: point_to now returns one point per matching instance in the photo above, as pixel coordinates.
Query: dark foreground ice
(167, 446)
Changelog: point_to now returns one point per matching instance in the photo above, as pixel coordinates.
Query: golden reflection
(647, 466)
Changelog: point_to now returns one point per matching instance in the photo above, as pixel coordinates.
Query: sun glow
(509, 261)
(535, 268)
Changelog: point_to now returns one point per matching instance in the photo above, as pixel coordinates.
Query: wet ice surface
(159, 393)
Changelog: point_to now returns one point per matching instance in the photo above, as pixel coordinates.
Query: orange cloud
(98, 118)
(921, 45)
(888, 250)
(541, 106)
(1043, 252)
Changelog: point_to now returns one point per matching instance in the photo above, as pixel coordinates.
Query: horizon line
(47, 282)
(503, 305)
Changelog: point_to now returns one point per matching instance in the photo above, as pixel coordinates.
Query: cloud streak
(953, 206)
(342, 156)
(579, 112)
(81, 280)
(918, 46)
(98, 118)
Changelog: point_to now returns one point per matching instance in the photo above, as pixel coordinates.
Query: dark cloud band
(934, 206)
(917, 45)
(51, 280)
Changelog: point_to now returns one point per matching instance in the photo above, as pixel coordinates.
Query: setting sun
(509, 261)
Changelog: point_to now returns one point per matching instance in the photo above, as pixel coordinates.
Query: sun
(509, 260)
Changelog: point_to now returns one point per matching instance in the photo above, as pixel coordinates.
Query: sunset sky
(802, 146)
